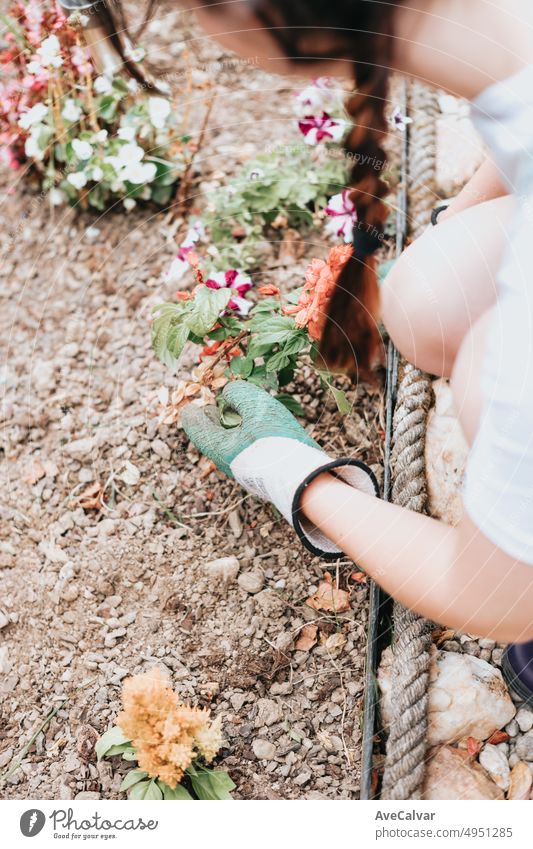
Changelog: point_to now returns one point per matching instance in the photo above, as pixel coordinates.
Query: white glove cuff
(352, 472)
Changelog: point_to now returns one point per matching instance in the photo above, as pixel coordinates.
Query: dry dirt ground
(89, 597)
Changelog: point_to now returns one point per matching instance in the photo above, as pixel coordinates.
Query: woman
(458, 303)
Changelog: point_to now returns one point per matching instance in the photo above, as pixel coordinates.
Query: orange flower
(320, 279)
(167, 735)
(183, 296)
(268, 289)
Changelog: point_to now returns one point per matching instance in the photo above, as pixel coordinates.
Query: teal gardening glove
(271, 456)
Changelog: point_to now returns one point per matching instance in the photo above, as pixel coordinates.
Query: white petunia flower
(33, 116)
(97, 173)
(158, 110)
(32, 149)
(139, 172)
(49, 52)
(82, 149)
(34, 67)
(71, 112)
(101, 136)
(126, 133)
(78, 179)
(102, 85)
(129, 204)
(57, 198)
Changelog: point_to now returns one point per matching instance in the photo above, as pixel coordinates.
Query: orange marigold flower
(166, 734)
(320, 279)
(268, 289)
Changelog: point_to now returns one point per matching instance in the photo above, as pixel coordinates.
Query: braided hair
(360, 32)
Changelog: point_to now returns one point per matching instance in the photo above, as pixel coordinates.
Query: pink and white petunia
(322, 95)
(343, 216)
(236, 280)
(180, 263)
(318, 128)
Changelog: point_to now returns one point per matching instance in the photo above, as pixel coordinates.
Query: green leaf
(107, 107)
(242, 366)
(113, 738)
(176, 339)
(343, 405)
(277, 361)
(138, 791)
(145, 790)
(132, 777)
(206, 308)
(291, 403)
(210, 784)
(178, 792)
(129, 754)
(153, 792)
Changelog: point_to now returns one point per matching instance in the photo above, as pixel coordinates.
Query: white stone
(223, 569)
(467, 697)
(79, 449)
(251, 582)
(268, 713)
(524, 718)
(496, 764)
(446, 453)
(263, 749)
(450, 774)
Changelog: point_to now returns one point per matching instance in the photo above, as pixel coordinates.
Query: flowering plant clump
(287, 187)
(261, 340)
(171, 742)
(88, 138)
(320, 112)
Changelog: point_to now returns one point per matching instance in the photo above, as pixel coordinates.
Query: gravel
(95, 595)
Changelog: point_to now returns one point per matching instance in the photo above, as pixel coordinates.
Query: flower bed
(85, 138)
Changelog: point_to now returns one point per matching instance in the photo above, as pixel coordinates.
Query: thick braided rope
(406, 746)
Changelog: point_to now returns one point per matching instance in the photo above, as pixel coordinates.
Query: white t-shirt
(498, 491)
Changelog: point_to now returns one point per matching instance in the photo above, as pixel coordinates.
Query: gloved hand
(271, 456)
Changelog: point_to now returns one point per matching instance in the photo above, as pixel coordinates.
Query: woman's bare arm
(485, 184)
(454, 576)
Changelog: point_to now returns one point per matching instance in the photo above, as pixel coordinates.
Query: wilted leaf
(307, 638)
(92, 498)
(498, 737)
(328, 597)
(335, 643)
(359, 577)
(473, 747)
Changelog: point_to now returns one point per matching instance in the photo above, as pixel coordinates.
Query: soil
(90, 596)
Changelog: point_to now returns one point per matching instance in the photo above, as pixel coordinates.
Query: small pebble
(263, 749)
(251, 582)
(524, 719)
